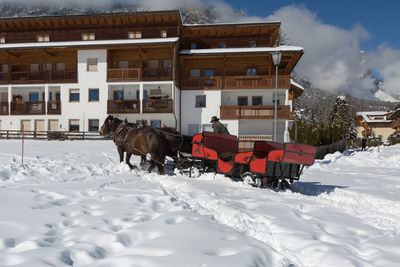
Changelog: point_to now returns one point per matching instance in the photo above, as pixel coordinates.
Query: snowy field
(73, 204)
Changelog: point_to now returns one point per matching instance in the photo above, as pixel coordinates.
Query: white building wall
(200, 116)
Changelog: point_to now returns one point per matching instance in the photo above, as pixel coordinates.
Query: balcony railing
(123, 74)
(254, 112)
(157, 106)
(246, 142)
(18, 77)
(3, 108)
(203, 83)
(255, 82)
(53, 107)
(157, 74)
(123, 106)
(28, 108)
(235, 82)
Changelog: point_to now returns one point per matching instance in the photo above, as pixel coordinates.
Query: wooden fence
(52, 135)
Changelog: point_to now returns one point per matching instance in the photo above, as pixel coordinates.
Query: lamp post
(276, 57)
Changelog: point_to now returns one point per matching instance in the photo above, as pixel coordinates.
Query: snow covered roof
(296, 84)
(89, 43)
(374, 116)
(249, 23)
(241, 50)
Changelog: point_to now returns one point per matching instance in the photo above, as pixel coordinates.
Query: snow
(73, 204)
(241, 50)
(381, 95)
(89, 43)
(296, 84)
(369, 116)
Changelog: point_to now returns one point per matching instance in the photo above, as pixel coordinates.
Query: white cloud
(332, 54)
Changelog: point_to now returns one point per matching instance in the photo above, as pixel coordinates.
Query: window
(134, 35)
(209, 73)
(118, 95)
(34, 97)
(123, 64)
(251, 72)
(164, 34)
(256, 100)
(93, 125)
(43, 38)
(252, 44)
(93, 95)
(50, 96)
(223, 45)
(207, 127)
(2, 40)
(200, 101)
(273, 102)
(193, 129)
(88, 36)
(194, 73)
(73, 125)
(242, 100)
(60, 66)
(74, 95)
(156, 124)
(193, 46)
(91, 64)
(167, 63)
(153, 64)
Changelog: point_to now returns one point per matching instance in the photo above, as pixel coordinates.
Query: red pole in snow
(22, 144)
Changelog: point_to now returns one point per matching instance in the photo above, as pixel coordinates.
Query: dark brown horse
(137, 141)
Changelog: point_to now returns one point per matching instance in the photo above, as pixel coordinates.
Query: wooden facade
(146, 61)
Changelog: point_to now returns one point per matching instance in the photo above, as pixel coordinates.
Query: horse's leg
(142, 160)
(121, 153)
(158, 160)
(127, 160)
(152, 165)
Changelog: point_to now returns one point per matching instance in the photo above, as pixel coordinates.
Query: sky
(379, 17)
(332, 34)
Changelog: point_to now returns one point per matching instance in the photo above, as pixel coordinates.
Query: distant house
(382, 123)
(373, 122)
(395, 117)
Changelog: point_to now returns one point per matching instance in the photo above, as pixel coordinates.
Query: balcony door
(4, 72)
(34, 71)
(48, 67)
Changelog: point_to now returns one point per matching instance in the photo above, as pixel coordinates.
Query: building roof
(247, 50)
(261, 23)
(296, 84)
(123, 42)
(368, 116)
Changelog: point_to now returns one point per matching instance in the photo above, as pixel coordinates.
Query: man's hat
(214, 118)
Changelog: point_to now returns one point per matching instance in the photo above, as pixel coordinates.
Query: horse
(175, 141)
(140, 142)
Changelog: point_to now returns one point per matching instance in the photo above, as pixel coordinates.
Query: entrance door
(26, 124)
(39, 125)
(53, 125)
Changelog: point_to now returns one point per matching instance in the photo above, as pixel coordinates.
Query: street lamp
(276, 57)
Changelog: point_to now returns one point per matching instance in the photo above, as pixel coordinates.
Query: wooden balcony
(158, 106)
(123, 106)
(126, 74)
(3, 108)
(202, 83)
(28, 108)
(53, 107)
(254, 112)
(235, 82)
(255, 82)
(159, 74)
(26, 77)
